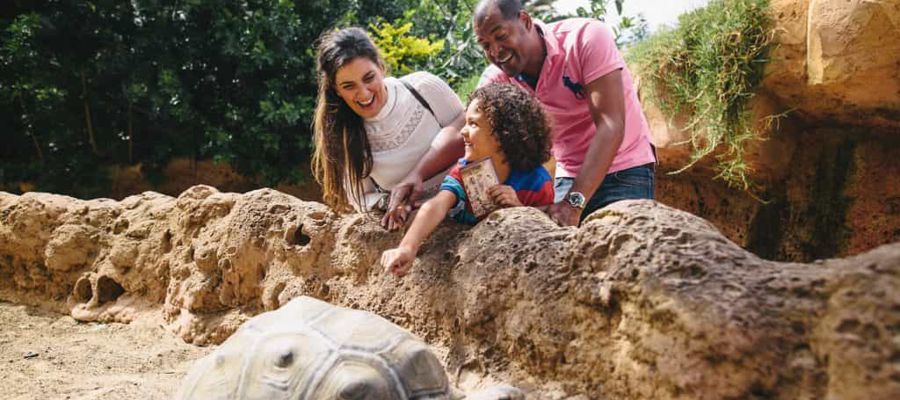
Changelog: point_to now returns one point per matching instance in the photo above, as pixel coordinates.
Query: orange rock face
(828, 171)
(837, 60)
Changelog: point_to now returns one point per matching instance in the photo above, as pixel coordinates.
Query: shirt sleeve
(492, 74)
(598, 54)
(541, 191)
(453, 183)
(545, 196)
(439, 95)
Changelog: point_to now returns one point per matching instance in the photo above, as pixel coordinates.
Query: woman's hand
(398, 261)
(396, 218)
(504, 196)
(403, 197)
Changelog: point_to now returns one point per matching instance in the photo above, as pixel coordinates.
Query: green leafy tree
(84, 85)
(449, 21)
(89, 84)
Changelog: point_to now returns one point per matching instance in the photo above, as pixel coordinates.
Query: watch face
(575, 199)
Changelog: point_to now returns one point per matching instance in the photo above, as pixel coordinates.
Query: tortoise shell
(309, 349)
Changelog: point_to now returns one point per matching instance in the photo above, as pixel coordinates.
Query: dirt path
(87, 360)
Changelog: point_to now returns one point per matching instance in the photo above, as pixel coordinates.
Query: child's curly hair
(518, 122)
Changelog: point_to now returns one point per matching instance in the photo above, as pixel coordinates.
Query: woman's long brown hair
(343, 156)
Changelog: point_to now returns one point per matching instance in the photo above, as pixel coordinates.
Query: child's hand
(504, 196)
(398, 261)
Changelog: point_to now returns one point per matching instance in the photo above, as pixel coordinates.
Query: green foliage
(450, 21)
(466, 87)
(402, 51)
(88, 84)
(708, 68)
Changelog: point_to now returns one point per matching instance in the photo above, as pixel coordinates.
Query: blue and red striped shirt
(533, 188)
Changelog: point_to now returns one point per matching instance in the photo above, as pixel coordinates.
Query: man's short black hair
(509, 9)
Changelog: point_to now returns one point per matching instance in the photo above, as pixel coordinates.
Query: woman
(371, 132)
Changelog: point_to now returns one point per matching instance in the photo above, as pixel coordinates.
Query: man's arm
(606, 101)
(446, 148)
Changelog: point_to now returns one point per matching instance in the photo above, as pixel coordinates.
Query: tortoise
(309, 349)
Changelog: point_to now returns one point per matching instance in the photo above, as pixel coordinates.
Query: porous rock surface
(642, 301)
(828, 169)
(837, 59)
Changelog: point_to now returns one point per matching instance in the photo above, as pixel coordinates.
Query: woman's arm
(398, 261)
(446, 147)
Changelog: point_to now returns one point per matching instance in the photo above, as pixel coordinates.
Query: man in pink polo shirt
(601, 140)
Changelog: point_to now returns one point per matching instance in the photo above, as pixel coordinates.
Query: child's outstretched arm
(399, 260)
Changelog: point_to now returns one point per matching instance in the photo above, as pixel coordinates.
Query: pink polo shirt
(578, 52)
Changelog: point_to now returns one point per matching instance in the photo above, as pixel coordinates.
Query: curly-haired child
(505, 123)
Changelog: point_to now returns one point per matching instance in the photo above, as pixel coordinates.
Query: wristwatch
(575, 199)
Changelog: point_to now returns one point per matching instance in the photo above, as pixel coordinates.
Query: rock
(837, 59)
(642, 301)
(826, 172)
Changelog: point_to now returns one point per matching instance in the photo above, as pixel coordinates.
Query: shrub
(402, 51)
(708, 68)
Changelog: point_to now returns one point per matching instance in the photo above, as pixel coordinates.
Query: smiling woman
(372, 131)
(360, 83)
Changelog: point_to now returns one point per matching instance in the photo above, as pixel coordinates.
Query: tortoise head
(357, 380)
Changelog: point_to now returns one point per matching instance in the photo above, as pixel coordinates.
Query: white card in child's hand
(478, 177)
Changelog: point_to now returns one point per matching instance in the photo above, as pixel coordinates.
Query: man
(601, 140)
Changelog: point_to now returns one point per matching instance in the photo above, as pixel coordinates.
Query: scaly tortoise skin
(309, 349)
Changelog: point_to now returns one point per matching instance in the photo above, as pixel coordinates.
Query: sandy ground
(84, 361)
(76, 360)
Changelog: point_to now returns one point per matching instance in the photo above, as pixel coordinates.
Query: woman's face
(478, 136)
(360, 83)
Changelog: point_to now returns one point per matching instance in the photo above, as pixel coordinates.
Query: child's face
(478, 136)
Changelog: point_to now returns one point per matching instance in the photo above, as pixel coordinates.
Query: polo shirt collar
(553, 50)
(550, 41)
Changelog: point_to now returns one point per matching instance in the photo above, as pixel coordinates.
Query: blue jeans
(631, 183)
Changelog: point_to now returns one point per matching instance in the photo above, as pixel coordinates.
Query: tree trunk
(87, 115)
(130, 137)
(29, 132)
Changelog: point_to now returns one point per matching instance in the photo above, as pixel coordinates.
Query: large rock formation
(837, 60)
(642, 301)
(828, 171)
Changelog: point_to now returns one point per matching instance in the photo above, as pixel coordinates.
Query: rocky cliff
(828, 172)
(642, 301)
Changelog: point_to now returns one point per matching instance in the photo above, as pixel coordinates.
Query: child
(506, 124)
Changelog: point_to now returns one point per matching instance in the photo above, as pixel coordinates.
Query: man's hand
(403, 199)
(564, 214)
(504, 196)
(398, 261)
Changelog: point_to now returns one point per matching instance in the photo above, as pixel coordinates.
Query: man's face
(505, 42)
